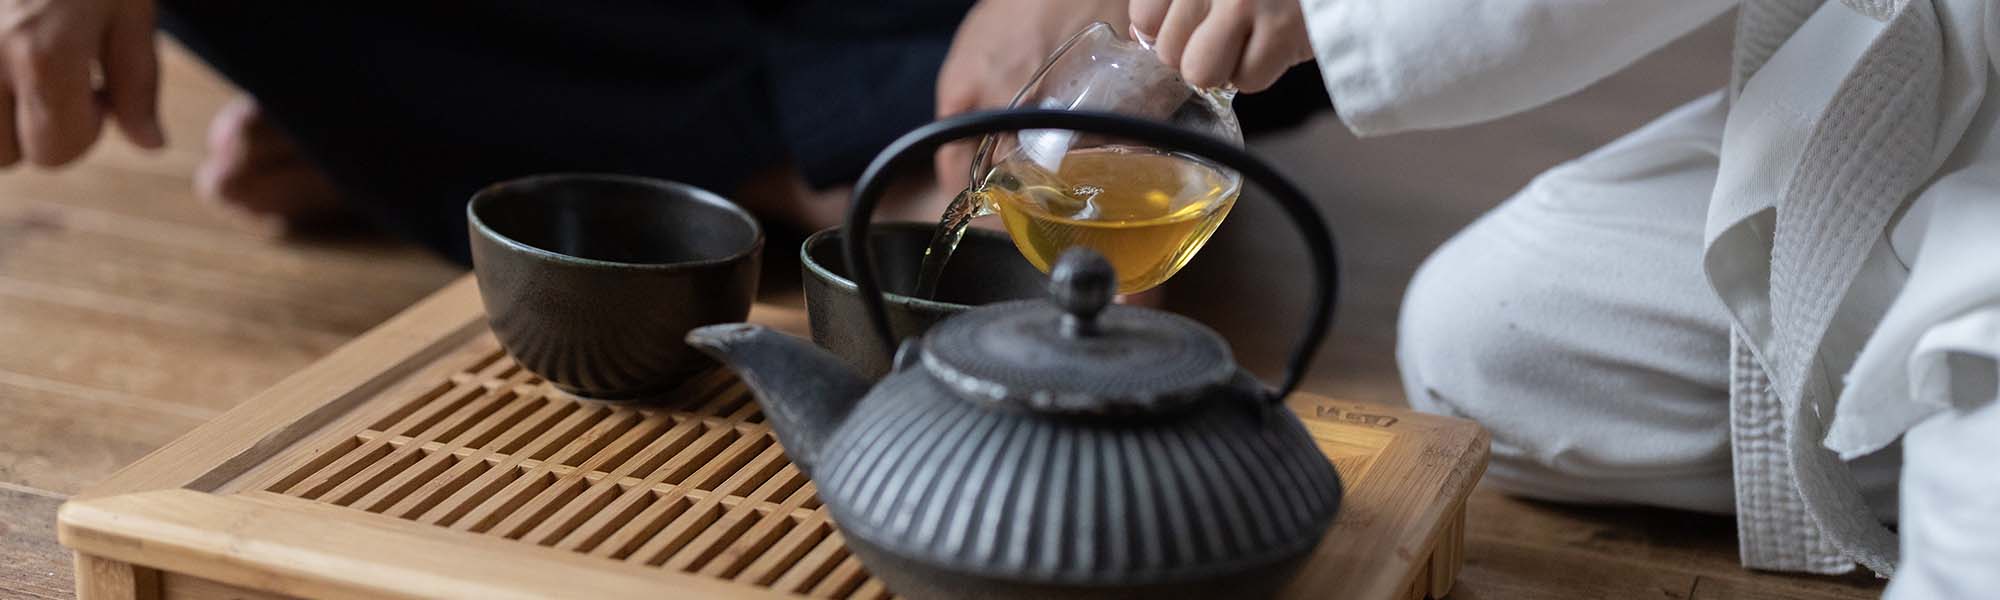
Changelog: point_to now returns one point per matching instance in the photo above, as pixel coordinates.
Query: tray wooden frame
(224, 512)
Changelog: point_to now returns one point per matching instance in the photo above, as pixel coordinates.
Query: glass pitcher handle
(922, 143)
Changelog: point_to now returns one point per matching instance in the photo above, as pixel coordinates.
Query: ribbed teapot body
(1226, 486)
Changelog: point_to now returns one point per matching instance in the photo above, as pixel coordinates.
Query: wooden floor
(129, 313)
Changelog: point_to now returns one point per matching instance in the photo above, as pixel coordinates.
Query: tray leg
(1449, 556)
(1419, 588)
(105, 579)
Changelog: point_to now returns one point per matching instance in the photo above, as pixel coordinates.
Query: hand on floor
(65, 67)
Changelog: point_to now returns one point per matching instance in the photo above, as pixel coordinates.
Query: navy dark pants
(412, 107)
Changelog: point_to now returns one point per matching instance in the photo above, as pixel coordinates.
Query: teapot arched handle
(923, 142)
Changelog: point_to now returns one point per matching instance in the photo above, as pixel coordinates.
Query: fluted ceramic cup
(985, 269)
(592, 281)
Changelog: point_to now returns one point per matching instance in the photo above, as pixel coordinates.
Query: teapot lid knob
(1082, 283)
(1076, 353)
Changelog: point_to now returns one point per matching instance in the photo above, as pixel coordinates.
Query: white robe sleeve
(1955, 362)
(1938, 346)
(1397, 65)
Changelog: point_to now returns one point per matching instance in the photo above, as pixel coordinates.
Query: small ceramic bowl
(592, 281)
(987, 268)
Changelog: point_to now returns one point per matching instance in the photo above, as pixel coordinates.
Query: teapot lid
(1077, 353)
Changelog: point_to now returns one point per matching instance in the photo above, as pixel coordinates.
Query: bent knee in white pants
(1575, 323)
(1950, 525)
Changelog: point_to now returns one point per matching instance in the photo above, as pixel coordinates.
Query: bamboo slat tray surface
(419, 461)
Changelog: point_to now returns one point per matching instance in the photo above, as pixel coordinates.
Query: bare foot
(1153, 298)
(781, 193)
(253, 167)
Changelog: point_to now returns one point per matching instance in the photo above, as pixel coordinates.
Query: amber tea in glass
(1148, 211)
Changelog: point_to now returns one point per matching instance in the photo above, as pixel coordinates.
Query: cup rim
(848, 285)
(681, 190)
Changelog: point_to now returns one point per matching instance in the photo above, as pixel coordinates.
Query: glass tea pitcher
(1148, 211)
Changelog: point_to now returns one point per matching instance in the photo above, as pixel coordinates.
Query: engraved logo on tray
(1350, 415)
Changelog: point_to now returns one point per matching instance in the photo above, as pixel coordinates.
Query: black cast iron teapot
(1038, 449)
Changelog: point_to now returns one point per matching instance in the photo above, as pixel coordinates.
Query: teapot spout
(805, 391)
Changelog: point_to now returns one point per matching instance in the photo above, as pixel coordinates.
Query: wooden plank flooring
(32, 564)
(129, 312)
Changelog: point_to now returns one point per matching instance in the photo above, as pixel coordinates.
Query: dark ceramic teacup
(987, 268)
(592, 281)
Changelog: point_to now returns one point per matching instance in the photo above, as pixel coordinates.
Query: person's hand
(51, 51)
(1247, 43)
(997, 48)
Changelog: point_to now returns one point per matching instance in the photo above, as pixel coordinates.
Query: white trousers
(1574, 322)
(1951, 508)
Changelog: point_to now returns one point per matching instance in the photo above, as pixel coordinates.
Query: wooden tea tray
(419, 461)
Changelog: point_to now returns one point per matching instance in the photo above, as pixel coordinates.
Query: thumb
(132, 76)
